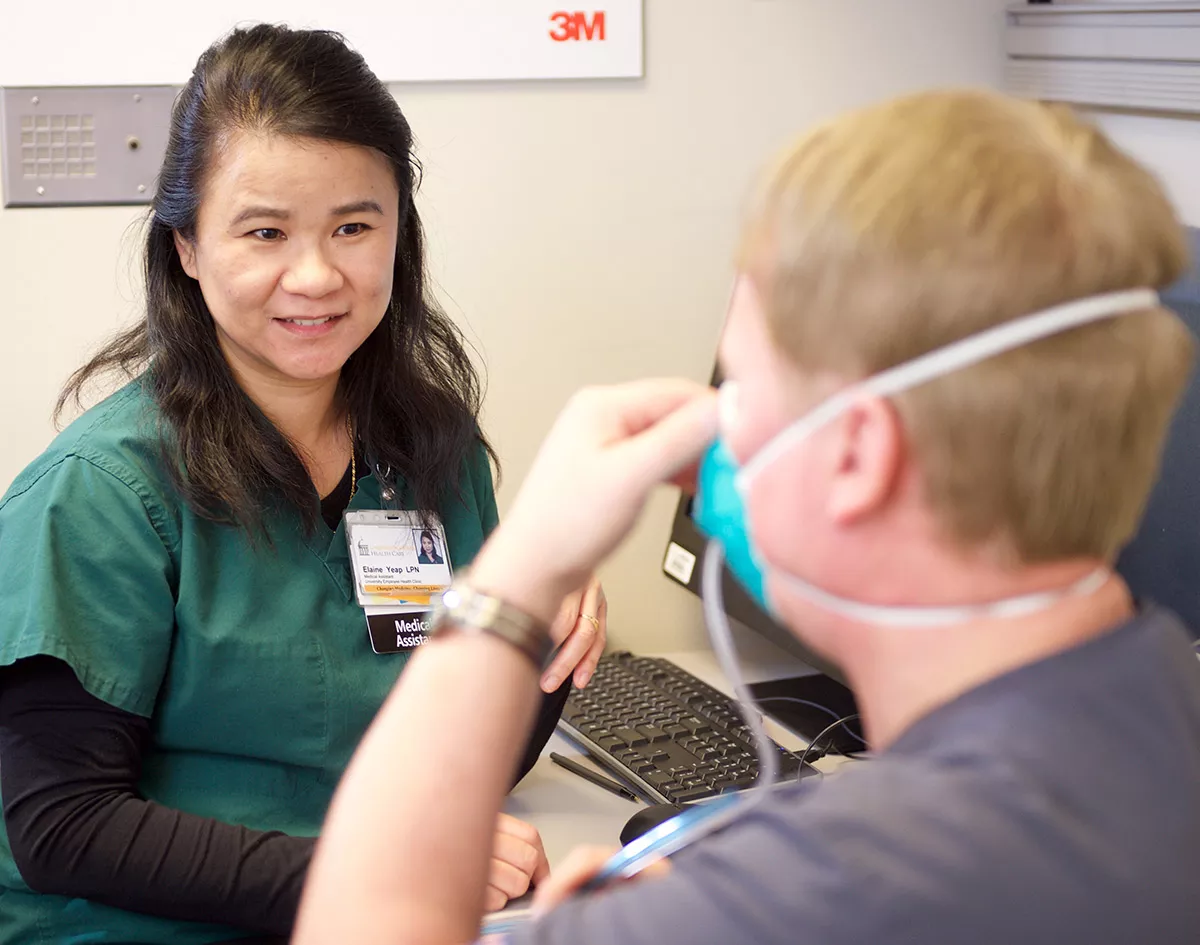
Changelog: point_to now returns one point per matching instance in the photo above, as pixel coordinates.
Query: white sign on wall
(154, 42)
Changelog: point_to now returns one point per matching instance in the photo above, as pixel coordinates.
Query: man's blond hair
(906, 226)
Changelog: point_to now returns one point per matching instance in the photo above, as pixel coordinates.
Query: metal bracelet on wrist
(465, 608)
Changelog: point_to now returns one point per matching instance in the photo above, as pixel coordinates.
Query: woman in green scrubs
(185, 666)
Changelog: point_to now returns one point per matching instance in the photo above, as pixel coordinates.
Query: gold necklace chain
(353, 462)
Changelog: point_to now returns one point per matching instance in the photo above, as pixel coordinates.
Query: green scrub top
(251, 659)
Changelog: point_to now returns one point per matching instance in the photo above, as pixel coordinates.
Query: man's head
(904, 227)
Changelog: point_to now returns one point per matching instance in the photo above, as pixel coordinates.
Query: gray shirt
(1058, 804)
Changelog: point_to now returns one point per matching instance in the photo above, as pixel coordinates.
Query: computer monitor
(806, 704)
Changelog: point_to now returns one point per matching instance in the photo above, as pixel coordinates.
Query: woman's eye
(268, 233)
(352, 229)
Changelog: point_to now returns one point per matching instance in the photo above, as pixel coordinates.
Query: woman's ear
(187, 254)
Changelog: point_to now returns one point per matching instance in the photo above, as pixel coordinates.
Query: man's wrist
(519, 579)
(465, 608)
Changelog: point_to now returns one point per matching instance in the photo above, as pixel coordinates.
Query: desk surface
(570, 812)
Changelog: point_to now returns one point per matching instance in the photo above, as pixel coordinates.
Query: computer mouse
(677, 828)
(648, 818)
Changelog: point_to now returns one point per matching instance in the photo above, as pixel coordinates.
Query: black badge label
(398, 633)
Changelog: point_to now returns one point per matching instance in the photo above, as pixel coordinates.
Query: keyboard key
(739, 784)
(696, 726)
(631, 737)
(691, 794)
(659, 779)
(609, 742)
(653, 733)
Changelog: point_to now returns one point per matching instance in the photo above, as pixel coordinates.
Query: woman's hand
(518, 861)
(606, 451)
(581, 630)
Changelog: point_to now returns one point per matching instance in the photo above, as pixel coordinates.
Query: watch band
(465, 608)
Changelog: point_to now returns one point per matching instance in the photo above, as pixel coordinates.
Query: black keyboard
(670, 736)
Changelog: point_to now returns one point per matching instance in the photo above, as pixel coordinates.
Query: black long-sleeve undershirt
(69, 769)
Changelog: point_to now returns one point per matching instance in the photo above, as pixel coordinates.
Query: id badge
(399, 562)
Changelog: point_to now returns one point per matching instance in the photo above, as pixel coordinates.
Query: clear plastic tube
(720, 635)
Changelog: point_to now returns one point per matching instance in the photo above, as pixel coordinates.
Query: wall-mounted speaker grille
(82, 145)
(58, 146)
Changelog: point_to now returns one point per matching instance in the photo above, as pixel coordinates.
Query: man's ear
(870, 452)
(187, 254)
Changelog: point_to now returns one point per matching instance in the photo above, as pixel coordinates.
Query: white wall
(1169, 146)
(580, 232)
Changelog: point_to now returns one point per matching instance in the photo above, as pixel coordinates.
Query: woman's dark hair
(410, 388)
(428, 534)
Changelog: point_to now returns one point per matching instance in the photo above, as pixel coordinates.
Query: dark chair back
(1162, 563)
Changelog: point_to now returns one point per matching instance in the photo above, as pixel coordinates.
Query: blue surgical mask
(720, 507)
(720, 514)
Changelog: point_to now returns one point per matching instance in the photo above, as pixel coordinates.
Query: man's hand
(577, 869)
(591, 478)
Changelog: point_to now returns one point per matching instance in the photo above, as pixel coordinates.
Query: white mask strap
(953, 357)
(908, 617)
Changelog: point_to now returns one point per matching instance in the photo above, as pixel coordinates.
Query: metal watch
(462, 607)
